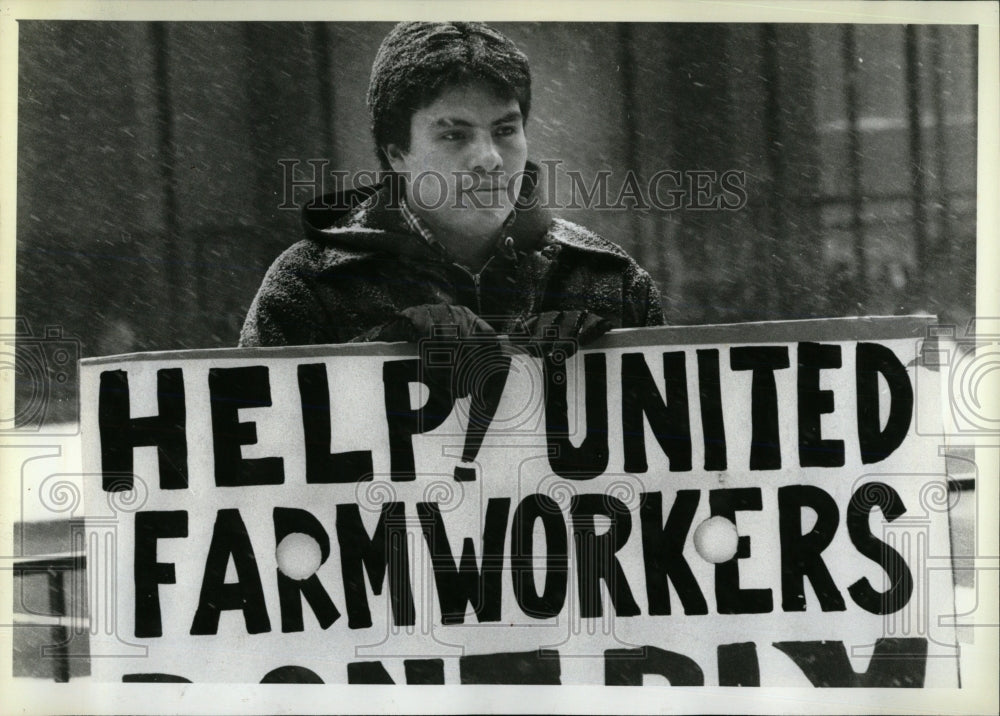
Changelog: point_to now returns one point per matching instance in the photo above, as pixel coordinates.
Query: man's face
(465, 161)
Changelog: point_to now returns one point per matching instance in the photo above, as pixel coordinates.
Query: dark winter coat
(359, 266)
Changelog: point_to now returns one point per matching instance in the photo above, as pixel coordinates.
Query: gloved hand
(433, 320)
(563, 330)
(459, 351)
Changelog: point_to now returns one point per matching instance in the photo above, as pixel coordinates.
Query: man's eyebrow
(511, 116)
(452, 122)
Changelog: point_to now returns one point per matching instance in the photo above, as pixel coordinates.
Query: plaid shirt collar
(419, 227)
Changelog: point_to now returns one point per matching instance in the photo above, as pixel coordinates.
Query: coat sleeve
(291, 309)
(642, 299)
(285, 312)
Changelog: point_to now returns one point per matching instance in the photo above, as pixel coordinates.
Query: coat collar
(366, 222)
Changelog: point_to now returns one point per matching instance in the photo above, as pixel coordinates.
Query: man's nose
(485, 158)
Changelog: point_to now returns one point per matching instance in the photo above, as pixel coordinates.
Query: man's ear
(396, 157)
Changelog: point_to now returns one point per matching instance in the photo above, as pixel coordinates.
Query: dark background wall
(149, 181)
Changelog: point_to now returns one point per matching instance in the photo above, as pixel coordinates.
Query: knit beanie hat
(418, 60)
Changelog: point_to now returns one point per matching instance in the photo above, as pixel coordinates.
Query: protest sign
(746, 505)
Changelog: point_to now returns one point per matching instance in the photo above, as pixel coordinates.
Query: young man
(454, 239)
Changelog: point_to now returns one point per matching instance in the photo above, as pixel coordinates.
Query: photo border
(84, 697)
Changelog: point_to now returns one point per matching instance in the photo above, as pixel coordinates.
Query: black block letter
(148, 573)
(232, 389)
(120, 433)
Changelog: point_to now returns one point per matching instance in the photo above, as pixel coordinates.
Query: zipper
(476, 281)
(477, 277)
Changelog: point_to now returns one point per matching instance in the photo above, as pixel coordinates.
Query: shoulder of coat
(569, 234)
(309, 257)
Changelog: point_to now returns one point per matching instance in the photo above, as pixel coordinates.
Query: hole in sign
(716, 539)
(299, 556)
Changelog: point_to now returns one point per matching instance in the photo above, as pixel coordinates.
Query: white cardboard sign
(721, 505)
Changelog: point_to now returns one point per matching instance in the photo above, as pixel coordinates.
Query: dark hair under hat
(417, 61)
